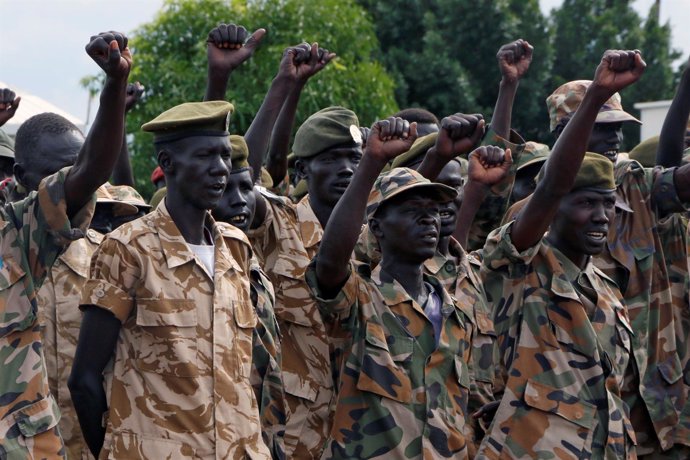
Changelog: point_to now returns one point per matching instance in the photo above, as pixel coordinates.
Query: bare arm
(9, 103)
(514, 60)
(672, 137)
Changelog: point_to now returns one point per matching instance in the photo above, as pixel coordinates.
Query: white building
(652, 115)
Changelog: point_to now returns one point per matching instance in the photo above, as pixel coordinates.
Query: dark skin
(105, 221)
(605, 139)
(239, 201)
(514, 60)
(672, 139)
(525, 182)
(53, 152)
(123, 174)
(6, 167)
(388, 139)
(9, 103)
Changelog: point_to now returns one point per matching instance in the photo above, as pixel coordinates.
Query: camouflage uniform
(399, 394)
(181, 376)
(60, 319)
(634, 259)
(565, 366)
(34, 232)
(285, 243)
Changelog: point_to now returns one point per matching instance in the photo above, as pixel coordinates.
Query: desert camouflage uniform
(34, 232)
(400, 395)
(634, 259)
(181, 376)
(566, 354)
(266, 376)
(60, 319)
(285, 243)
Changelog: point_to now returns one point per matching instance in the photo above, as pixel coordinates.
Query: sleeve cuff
(340, 305)
(108, 297)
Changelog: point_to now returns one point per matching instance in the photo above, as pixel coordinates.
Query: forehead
(424, 197)
(591, 194)
(192, 144)
(451, 170)
(340, 152)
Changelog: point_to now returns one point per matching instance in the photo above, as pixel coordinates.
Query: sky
(42, 41)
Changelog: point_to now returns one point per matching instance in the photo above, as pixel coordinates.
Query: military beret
(567, 98)
(265, 179)
(596, 172)
(330, 128)
(417, 151)
(300, 190)
(534, 153)
(240, 152)
(6, 145)
(209, 118)
(158, 197)
(645, 152)
(399, 180)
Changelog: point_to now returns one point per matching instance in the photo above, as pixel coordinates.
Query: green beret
(266, 179)
(596, 172)
(418, 149)
(209, 118)
(534, 153)
(330, 128)
(6, 145)
(300, 190)
(645, 152)
(158, 197)
(240, 152)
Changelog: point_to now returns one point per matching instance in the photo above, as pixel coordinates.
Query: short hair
(29, 133)
(419, 115)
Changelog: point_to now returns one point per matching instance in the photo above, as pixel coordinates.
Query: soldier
(533, 158)
(403, 381)
(168, 300)
(34, 232)
(58, 303)
(563, 331)
(237, 208)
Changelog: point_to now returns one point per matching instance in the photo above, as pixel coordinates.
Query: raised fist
(303, 61)
(390, 137)
(109, 50)
(489, 165)
(618, 69)
(228, 46)
(134, 93)
(514, 59)
(9, 103)
(459, 134)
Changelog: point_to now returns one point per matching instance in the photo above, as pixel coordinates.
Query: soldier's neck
(408, 275)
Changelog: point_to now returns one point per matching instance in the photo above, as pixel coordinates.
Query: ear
(165, 161)
(375, 228)
(19, 171)
(302, 168)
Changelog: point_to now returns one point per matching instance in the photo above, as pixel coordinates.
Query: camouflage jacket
(400, 395)
(181, 375)
(285, 243)
(34, 232)
(60, 319)
(634, 259)
(565, 370)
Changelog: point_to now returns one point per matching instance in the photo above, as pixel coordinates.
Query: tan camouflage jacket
(34, 232)
(634, 259)
(181, 376)
(60, 319)
(566, 365)
(285, 243)
(400, 395)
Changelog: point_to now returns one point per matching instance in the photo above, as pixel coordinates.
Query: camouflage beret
(645, 152)
(399, 180)
(327, 129)
(6, 145)
(534, 153)
(209, 118)
(419, 148)
(568, 97)
(124, 199)
(240, 152)
(596, 172)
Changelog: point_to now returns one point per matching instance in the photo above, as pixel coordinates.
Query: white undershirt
(206, 255)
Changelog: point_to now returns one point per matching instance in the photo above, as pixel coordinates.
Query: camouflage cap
(534, 153)
(645, 152)
(124, 199)
(399, 180)
(596, 172)
(568, 97)
(209, 118)
(240, 152)
(6, 145)
(419, 148)
(330, 128)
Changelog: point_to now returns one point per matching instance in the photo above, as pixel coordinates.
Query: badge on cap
(356, 134)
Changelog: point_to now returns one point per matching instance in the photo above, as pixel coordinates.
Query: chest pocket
(384, 362)
(246, 321)
(167, 337)
(484, 349)
(16, 311)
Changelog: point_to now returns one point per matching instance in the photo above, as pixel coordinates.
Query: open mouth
(217, 188)
(597, 236)
(239, 220)
(612, 153)
(445, 214)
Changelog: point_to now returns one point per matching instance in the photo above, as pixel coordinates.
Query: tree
(170, 60)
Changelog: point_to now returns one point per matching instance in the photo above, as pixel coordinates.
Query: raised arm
(672, 138)
(122, 174)
(514, 60)
(617, 70)
(102, 146)
(9, 103)
(387, 139)
(227, 47)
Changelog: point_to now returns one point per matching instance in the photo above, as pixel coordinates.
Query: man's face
(238, 203)
(451, 175)
(408, 228)
(581, 224)
(201, 168)
(54, 152)
(606, 139)
(525, 182)
(329, 173)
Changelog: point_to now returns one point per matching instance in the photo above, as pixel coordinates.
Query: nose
(599, 214)
(347, 167)
(220, 167)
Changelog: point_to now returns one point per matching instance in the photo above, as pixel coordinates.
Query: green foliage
(170, 60)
